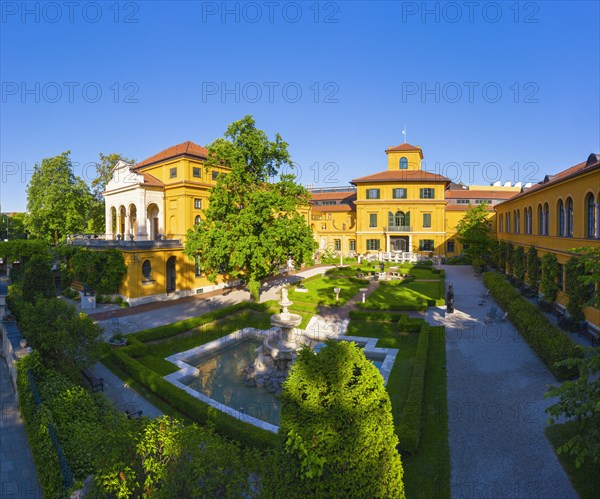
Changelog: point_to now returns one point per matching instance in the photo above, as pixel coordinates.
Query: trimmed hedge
(549, 342)
(168, 330)
(194, 408)
(399, 307)
(375, 316)
(409, 427)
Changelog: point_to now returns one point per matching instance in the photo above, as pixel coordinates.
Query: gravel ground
(496, 417)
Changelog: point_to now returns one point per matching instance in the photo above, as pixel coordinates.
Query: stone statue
(284, 294)
(450, 299)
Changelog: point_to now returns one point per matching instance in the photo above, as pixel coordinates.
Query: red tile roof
(333, 207)
(404, 147)
(559, 177)
(401, 176)
(151, 181)
(464, 207)
(334, 196)
(184, 149)
(469, 194)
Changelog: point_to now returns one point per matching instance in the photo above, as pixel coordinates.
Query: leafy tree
(533, 268)
(576, 290)
(502, 255)
(12, 226)
(66, 340)
(336, 435)
(589, 271)
(58, 202)
(519, 262)
(104, 171)
(252, 226)
(548, 283)
(38, 280)
(473, 232)
(509, 257)
(579, 400)
(167, 459)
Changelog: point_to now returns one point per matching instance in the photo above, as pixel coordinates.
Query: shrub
(577, 291)
(519, 264)
(550, 343)
(38, 280)
(336, 436)
(548, 285)
(409, 427)
(533, 269)
(102, 270)
(458, 260)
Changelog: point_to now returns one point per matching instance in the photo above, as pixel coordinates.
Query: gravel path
(496, 417)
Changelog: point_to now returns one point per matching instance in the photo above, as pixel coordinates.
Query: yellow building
(556, 215)
(403, 210)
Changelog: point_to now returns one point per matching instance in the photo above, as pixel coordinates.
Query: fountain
(278, 350)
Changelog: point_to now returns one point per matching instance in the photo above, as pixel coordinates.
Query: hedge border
(549, 343)
(409, 427)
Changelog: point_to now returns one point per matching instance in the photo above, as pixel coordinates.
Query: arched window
(591, 216)
(540, 220)
(147, 270)
(507, 221)
(517, 221)
(197, 219)
(403, 163)
(569, 219)
(546, 219)
(561, 219)
(530, 221)
(501, 224)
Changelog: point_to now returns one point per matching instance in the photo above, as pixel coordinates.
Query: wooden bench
(559, 310)
(96, 383)
(591, 331)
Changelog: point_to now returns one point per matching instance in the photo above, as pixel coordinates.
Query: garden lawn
(404, 296)
(352, 271)
(586, 479)
(320, 291)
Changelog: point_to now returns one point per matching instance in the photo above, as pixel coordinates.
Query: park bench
(591, 331)
(559, 310)
(96, 383)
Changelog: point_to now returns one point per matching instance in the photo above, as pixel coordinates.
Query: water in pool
(220, 378)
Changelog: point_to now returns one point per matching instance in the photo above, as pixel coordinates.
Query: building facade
(400, 210)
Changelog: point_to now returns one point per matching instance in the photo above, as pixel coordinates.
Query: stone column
(108, 222)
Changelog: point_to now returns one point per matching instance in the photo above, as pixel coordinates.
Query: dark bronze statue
(450, 300)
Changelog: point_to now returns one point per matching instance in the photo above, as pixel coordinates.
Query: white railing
(398, 228)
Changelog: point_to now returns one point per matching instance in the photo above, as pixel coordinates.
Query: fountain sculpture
(278, 349)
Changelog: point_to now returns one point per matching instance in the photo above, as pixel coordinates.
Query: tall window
(591, 216)
(147, 270)
(198, 203)
(501, 224)
(352, 244)
(337, 244)
(398, 219)
(403, 163)
(373, 245)
(540, 220)
(528, 221)
(197, 219)
(196, 172)
(517, 221)
(426, 245)
(569, 218)
(399, 193)
(450, 245)
(215, 174)
(546, 219)
(427, 220)
(173, 172)
(373, 193)
(561, 219)
(508, 221)
(427, 193)
(372, 219)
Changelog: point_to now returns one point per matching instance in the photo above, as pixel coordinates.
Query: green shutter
(391, 219)
(407, 219)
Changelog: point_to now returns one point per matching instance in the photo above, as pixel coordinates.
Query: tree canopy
(336, 431)
(58, 202)
(474, 234)
(252, 225)
(12, 226)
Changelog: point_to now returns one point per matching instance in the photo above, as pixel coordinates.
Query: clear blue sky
(183, 70)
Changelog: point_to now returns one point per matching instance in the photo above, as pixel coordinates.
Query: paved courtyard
(496, 387)
(18, 477)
